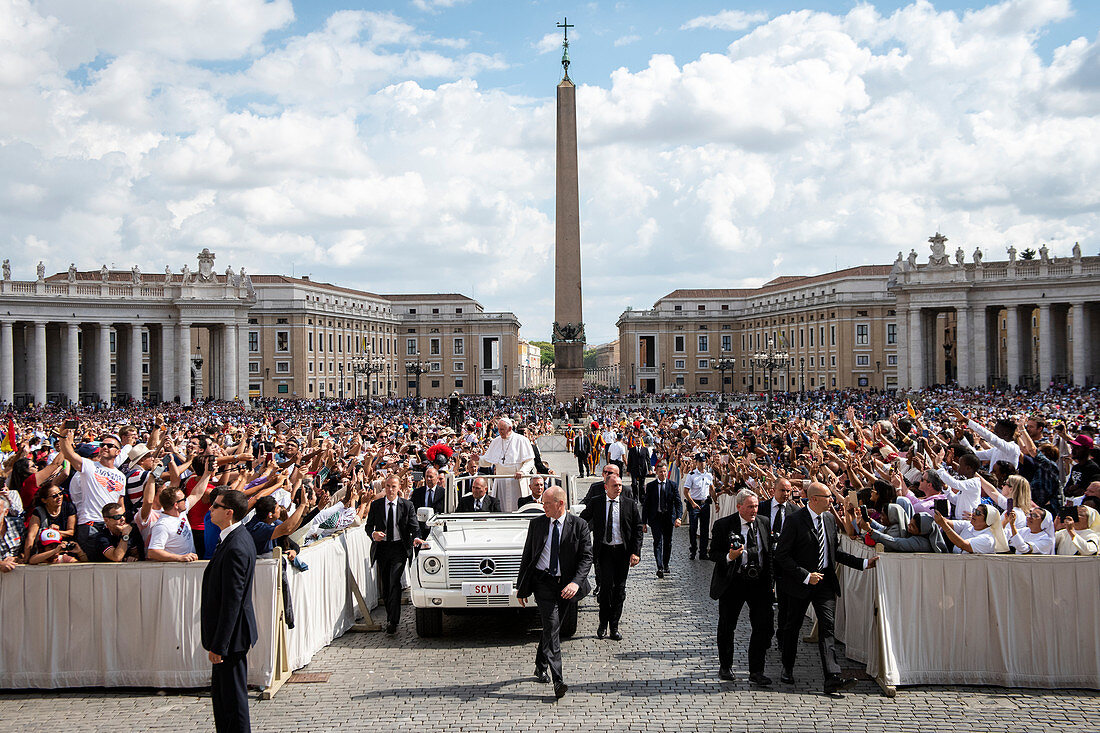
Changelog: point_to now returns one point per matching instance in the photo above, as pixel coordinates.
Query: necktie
(428, 497)
(661, 499)
(477, 505)
(777, 526)
(555, 547)
(750, 546)
(607, 525)
(389, 523)
(821, 544)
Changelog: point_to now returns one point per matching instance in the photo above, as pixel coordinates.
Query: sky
(409, 146)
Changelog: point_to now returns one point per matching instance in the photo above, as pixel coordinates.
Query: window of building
(832, 335)
(832, 382)
(253, 341)
(458, 384)
(704, 345)
(811, 381)
(253, 388)
(310, 367)
(459, 347)
(892, 360)
(253, 367)
(727, 342)
(891, 334)
(811, 361)
(252, 321)
(460, 366)
(411, 384)
(282, 367)
(435, 366)
(412, 311)
(433, 347)
(678, 343)
(435, 383)
(702, 307)
(725, 306)
(331, 367)
(863, 334)
(145, 342)
(679, 364)
(435, 311)
(863, 360)
(458, 310)
(281, 321)
(677, 307)
(283, 389)
(282, 341)
(862, 381)
(704, 364)
(802, 337)
(113, 341)
(704, 380)
(410, 347)
(330, 343)
(145, 369)
(832, 361)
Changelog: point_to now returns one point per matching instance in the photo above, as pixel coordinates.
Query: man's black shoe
(615, 635)
(541, 675)
(660, 573)
(391, 629)
(787, 677)
(760, 679)
(601, 631)
(692, 556)
(835, 683)
(560, 689)
(724, 673)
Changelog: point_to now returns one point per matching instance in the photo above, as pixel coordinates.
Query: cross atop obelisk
(568, 337)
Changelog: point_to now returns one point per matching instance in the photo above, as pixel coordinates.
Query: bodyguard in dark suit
(479, 500)
(742, 574)
(637, 465)
(227, 620)
(661, 510)
(430, 493)
(582, 446)
(616, 524)
(556, 559)
(391, 522)
(806, 558)
(776, 511)
(597, 489)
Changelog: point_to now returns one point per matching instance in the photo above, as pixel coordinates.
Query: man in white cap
(509, 454)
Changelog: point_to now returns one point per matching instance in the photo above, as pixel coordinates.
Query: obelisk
(568, 337)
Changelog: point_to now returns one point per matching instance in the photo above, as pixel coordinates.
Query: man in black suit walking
(478, 500)
(391, 522)
(776, 511)
(616, 524)
(661, 511)
(556, 559)
(806, 557)
(742, 574)
(582, 446)
(637, 463)
(430, 493)
(228, 621)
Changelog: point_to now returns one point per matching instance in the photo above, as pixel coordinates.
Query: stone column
(1080, 345)
(980, 350)
(963, 347)
(102, 368)
(229, 376)
(1046, 344)
(70, 357)
(242, 362)
(902, 346)
(183, 363)
(37, 363)
(167, 359)
(7, 363)
(133, 363)
(916, 349)
(1012, 345)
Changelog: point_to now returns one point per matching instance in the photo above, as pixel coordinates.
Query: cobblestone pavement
(477, 677)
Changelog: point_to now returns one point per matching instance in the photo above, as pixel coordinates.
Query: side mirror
(424, 514)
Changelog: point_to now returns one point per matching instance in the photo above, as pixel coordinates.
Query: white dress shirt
(964, 494)
(616, 451)
(544, 556)
(614, 513)
(1001, 450)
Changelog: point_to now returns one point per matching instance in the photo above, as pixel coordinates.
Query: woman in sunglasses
(52, 511)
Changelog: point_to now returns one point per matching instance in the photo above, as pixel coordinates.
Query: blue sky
(409, 147)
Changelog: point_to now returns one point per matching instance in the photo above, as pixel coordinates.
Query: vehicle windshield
(513, 494)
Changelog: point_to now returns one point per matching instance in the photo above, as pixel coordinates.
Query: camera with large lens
(752, 572)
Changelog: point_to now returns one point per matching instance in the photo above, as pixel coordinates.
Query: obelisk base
(568, 384)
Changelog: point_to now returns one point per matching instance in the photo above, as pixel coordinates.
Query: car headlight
(432, 565)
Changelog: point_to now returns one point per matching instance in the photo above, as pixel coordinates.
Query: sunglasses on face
(116, 517)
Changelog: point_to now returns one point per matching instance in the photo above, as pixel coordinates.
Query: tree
(589, 358)
(547, 352)
(1027, 254)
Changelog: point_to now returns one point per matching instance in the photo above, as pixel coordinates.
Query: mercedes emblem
(487, 566)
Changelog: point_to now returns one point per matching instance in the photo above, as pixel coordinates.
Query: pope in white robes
(513, 455)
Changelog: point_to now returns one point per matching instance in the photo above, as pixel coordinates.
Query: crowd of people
(942, 471)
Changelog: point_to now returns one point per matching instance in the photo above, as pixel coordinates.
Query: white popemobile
(472, 559)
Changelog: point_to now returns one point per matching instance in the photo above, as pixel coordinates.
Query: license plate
(487, 589)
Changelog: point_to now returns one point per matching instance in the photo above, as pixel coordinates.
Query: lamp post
(417, 367)
(724, 364)
(369, 364)
(769, 360)
(664, 380)
(341, 369)
(802, 370)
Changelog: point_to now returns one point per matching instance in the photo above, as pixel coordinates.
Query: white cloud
(626, 40)
(371, 154)
(434, 5)
(726, 20)
(548, 44)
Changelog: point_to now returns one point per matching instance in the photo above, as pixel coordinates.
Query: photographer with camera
(741, 552)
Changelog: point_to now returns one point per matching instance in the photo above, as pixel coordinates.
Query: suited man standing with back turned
(806, 558)
(228, 622)
(556, 559)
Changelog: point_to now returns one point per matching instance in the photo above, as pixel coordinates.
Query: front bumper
(444, 598)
